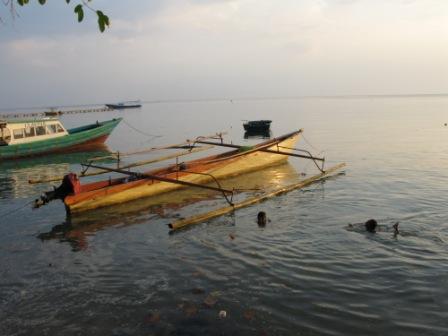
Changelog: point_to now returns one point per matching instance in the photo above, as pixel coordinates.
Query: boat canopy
(25, 131)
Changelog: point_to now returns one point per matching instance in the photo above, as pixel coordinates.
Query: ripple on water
(119, 272)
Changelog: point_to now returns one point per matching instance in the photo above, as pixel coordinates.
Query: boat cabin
(13, 132)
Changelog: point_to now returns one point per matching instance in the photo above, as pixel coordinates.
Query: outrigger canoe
(79, 197)
(31, 137)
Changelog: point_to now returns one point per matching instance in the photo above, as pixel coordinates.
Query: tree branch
(103, 20)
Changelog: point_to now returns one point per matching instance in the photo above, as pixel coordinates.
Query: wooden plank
(179, 224)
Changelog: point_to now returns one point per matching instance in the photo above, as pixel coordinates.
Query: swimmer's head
(261, 218)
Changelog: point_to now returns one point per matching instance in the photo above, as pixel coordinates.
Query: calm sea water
(118, 271)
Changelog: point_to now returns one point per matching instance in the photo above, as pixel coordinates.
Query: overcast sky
(200, 49)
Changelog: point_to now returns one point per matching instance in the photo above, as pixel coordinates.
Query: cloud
(196, 48)
(31, 52)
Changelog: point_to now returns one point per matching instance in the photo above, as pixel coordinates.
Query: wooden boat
(257, 126)
(124, 105)
(196, 173)
(31, 137)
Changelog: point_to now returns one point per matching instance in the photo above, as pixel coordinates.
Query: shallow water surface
(118, 271)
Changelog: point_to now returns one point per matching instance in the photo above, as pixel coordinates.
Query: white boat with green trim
(30, 137)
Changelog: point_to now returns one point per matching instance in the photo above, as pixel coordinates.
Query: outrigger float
(202, 173)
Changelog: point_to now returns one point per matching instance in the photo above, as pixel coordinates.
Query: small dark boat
(257, 126)
(124, 105)
(263, 134)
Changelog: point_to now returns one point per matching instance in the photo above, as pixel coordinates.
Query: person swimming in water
(261, 218)
(395, 227)
(371, 225)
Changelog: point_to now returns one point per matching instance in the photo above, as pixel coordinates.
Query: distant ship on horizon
(125, 105)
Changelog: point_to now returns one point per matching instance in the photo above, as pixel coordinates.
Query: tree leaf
(106, 20)
(103, 20)
(80, 11)
(101, 24)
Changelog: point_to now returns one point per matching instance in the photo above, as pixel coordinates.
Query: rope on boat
(151, 136)
(309, 144)
(217, 183)
(216, 136)
(311, 157)
(188, 144)
(314, 148)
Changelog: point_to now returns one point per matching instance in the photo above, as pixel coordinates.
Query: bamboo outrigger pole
(131, 165)
(277, 151)
(169, 180)
(179, 224)
(188, 144)
(262, 150)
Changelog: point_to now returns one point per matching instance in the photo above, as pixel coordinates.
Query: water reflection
(15, 174)
(258, 134)
(169, 206)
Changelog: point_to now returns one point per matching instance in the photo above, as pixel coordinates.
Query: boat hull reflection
(263, 134)
(188, 201)
(15, 174)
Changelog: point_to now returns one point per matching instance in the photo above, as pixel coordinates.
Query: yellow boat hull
(228, 168)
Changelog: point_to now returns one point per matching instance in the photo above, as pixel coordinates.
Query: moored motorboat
(79, 197)
(31, 137)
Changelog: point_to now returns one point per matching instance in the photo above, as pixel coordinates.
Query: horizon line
(248, 98)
